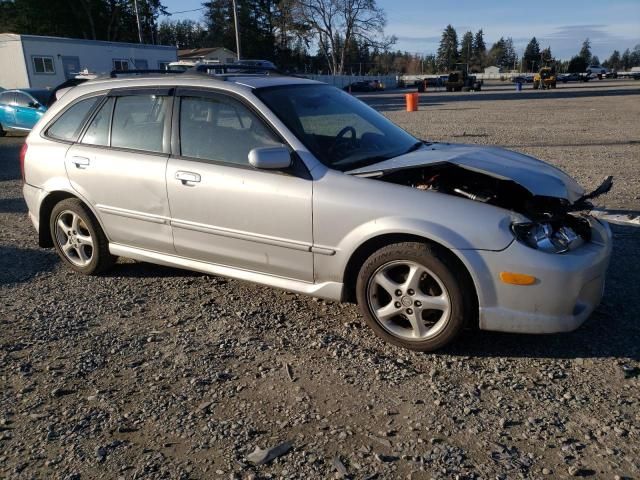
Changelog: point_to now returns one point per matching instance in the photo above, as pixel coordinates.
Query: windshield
(340, 130)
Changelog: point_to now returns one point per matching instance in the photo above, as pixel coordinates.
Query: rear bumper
(568, 288)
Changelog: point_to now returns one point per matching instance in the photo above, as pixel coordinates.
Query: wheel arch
(46, 207)
(364, 250)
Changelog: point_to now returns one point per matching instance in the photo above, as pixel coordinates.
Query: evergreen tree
(585, 51)
(614, 62)
(479, 49)
(466, 48)
(448, 50)
(510, 54)
(626, 59)
(531, 56)
(577, 65)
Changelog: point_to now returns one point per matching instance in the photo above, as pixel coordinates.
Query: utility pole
(135, 7)
(235, 21)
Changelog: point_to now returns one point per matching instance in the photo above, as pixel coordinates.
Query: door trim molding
(123, 212)
(222, 232)
(240, 235)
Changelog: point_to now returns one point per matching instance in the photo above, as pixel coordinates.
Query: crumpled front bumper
(568, 288)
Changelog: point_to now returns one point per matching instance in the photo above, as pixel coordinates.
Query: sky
(559, 24)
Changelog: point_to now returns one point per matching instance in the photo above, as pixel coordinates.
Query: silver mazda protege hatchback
(296, 184)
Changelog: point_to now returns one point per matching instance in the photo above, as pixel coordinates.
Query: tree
(595, 60)
(479, 49)
(336, 23)
(112, 20)
(577, 64)
(531, 58)
(182, 33)
(510, 55)
(466, 48)
(614, 62)
(448, 50)
(585, 51)
(626, 59)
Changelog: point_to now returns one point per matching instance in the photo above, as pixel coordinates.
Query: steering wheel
(339, 140)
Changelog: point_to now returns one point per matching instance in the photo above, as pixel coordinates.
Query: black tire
(466, 89)
(451, 275)
(100, 258)
(3, 132)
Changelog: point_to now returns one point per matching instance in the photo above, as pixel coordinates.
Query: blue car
(20, 110)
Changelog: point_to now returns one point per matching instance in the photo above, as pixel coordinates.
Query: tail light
(23, 153)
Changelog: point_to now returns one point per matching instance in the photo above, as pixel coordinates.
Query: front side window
(221, 129)
(138, 122)
(120, 65)
(43, 65)
(68, 125)
(97, 132)
(340, 130)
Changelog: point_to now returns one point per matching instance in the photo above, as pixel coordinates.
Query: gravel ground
(151, 372)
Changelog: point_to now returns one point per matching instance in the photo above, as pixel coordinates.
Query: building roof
(14, 37)
(184, 54)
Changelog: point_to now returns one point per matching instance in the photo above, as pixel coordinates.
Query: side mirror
(34, 104)
(270, 158)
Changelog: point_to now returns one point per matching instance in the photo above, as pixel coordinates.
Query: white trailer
(30, 61)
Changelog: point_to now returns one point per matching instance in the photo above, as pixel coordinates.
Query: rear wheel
(3, 132)
(79, 239)
(412, 295)
(535, 85)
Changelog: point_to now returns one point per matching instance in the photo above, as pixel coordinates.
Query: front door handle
(80, 162)
(188, 177)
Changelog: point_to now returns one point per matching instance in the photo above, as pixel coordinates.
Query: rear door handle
(188, 177)
(80, 162)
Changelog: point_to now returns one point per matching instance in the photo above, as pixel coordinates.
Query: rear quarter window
(68, 125)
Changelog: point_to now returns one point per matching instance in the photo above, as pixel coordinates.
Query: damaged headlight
(546, 237)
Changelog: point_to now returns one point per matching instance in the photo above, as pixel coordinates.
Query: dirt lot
(151, 372)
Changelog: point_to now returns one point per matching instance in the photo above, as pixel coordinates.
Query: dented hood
(536, 176)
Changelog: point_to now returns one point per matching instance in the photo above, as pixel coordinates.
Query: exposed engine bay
(557, 225)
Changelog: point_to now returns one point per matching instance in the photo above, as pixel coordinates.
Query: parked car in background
(360, 86)
(316, 193)
(597, 70)
(20, 110)
(575, 77)
(523, 78)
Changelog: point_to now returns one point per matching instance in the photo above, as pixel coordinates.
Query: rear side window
(138, 122)
(97, 132)
(68, 125)
(6, 98)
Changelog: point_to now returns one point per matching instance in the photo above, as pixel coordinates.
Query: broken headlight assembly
(547, 236)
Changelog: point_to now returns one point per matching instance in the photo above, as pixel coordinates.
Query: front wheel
(78, 238)
(3, 132)
(413, 295)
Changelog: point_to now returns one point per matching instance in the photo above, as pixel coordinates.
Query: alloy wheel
(74, 238)
(408, 300)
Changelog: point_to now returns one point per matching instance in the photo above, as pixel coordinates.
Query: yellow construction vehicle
(545, 78)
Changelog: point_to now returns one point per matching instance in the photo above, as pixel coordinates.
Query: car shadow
(612, 330)
(19, 265)
(13, 205)
(135, 269)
